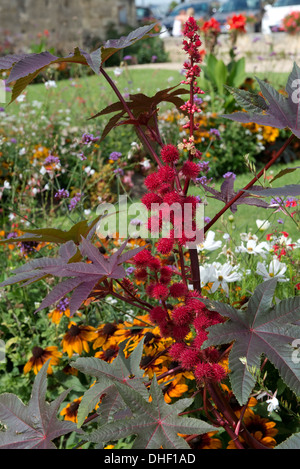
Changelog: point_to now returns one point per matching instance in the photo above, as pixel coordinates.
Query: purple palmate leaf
(34, 426)
(155, 424)
(25, 67)
(278, 111)
(80, 277)
(227, 193)
(264, 329)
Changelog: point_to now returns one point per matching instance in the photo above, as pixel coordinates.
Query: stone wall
(69, 22)
(274, 52)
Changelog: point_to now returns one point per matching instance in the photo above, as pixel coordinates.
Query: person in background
(178, 23)
(189, 12)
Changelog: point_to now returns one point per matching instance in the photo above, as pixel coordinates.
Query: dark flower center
(73, 408)
(109, 329)
(148, 337)
(74, 331)
(109, 353)
(37, 352)
(145, 361)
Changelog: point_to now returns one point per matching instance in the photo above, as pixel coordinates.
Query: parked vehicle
(250, 8)
(274, 14)
(202, 9)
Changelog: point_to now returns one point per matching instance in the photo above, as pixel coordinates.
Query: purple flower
(119, 172)
(88, 138)
(204, 166)
(62, 194)
(216, 133)
(154, 58)
(127, 57)
(12, 235)
(130, 270)
(75, 201)
(2, 109)
(207, 220)
(198, 100)
(13, 140)
(115, 155)
(228, 175)
(82, 157)
(280, 221)
(28, 247)
(63, 305)
(52, 159)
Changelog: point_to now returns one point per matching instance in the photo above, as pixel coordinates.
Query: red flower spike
(151, 198)
(159, 291)
(166, 175)
(166, 274)
(178, 333)
(165, 246)
(177, 290)
(189, 358)
(177, 350)
(200, 339)
(181, 315)
(158, 315)
(152, 182)
(141, 274)
(170, 154)
(190, 169)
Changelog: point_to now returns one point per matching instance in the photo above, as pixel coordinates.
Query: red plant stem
(249, 185)
(127, 300)
(232, 420)
(195, 269)
(139, 130)
(182, 265)
(144, 303)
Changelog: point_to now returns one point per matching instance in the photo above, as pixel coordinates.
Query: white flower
(209, 243)
(253, 248)
(22, 151)
(207, 274)
(118, 71)
(6, 185)
(273, 404)
(220, 275)
(89, 171)
(263, 225)
(50, 84)
(248, 236)
(146, 164)
(276, 269)
(21, 98)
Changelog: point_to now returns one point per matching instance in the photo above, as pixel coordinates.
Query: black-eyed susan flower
(77, 338)
(105, 334)
(108, 354)
(262, 429)
(252, 402)
(206, 441)
(71, 410)
(40, 356)
(176, 388)
(133, 331)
